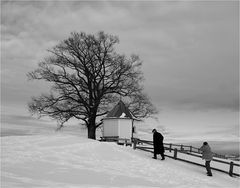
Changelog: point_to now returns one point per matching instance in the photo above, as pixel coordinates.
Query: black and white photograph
(120, 94)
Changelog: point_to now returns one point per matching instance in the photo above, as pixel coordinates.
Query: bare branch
(87, 75)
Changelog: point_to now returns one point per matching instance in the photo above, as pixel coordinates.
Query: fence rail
(192, 149)
(188, 150)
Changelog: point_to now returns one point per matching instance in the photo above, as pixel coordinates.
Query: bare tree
(87, 76)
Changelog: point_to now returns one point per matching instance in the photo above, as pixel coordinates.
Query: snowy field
(62, 160)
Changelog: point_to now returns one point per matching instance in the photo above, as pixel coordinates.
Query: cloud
(189, 49)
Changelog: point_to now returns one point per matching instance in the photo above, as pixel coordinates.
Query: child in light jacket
(207, 156)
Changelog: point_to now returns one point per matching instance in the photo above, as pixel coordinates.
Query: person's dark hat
(154, 130)
(205, 143)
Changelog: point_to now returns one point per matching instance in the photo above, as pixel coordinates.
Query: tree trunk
(92, 129)
(92, 132)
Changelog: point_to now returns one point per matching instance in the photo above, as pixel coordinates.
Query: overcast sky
(189, 49)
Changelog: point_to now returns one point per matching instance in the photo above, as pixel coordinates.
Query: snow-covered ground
(64, 160)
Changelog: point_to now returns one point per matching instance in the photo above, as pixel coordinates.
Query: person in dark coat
(158, 144)
(207, 156)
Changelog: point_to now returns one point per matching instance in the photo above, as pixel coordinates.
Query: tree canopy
(87, 77)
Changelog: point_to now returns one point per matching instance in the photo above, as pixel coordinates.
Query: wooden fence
(147, 146)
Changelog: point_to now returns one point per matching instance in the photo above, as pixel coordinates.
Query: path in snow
(61, 160)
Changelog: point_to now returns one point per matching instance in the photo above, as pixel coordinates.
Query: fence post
(170, 148)
(182, 148)
(175, 153)
(190, 148)
(231, 169)
(134, 143)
